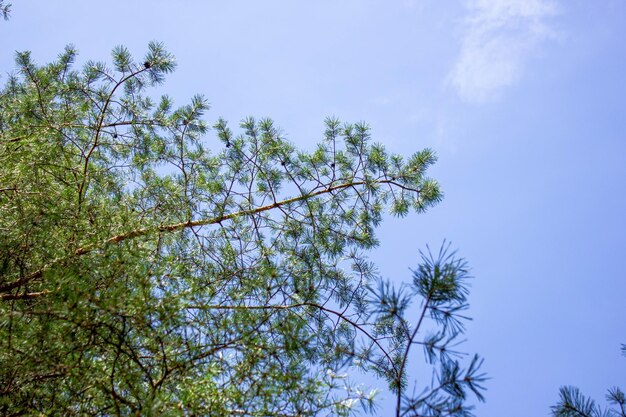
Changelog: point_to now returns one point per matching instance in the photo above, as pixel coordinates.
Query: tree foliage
(143, 274)
(572, 403)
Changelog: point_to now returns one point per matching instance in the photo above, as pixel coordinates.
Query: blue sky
(523, 100)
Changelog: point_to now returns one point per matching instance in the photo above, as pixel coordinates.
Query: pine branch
(574, 404)
(103, 113)
(24, 296)
(179, 226)
(5, 10)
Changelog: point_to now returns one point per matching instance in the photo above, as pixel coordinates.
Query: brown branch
(342, 316)
(81, 187)
(219, 219)
(406, 354)
(183, 225)
(24, 296)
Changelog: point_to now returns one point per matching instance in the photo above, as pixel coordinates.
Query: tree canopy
(149, 269)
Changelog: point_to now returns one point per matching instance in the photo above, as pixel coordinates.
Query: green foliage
(439, 284)
(142, 274)
(572, 403)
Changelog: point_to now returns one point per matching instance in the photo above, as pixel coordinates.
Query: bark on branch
(4, 295)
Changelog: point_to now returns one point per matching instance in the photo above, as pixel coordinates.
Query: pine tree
(143, 274)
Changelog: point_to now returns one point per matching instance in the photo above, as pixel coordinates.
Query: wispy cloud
(498, 36)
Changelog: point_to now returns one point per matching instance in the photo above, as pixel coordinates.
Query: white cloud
(498, 36)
